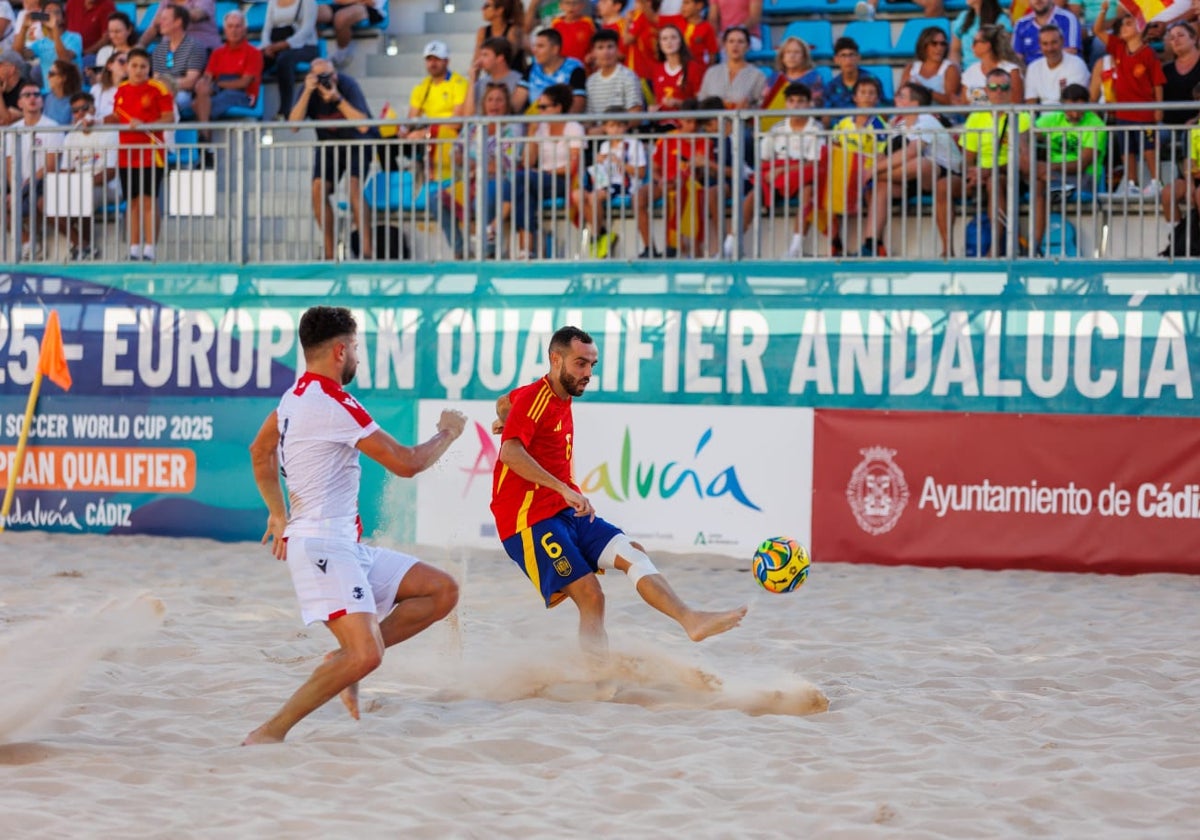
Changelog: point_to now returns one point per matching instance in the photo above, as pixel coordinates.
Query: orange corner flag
(53, 359)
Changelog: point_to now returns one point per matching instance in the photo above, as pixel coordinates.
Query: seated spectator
(1183, 197)
(201, 26)
(120, 40)
(612, 85)
(933, 70)
(1026, 37)
(104, 92)
(25, 154)
(677, 75)
(141, 158)
(1137, 78)
(1048, 76)
(232, 77)
(289, 39)
(577, 30)
(725, 15)
(503, 20)
(863, 135)
(672, 182)
(721, 177)
(501, 159)
(7, 25)
(962, 31)
(549, 67)
(839, 93)
(1182, 75)
(618, 169)
(985, 142)
(641, 37)
(343, 16)
(1067, 157)
(178, 59)
(441, 94)
(93, 154)
(698, 33)
(13, 76)
(64, 80)
(551, 165)
(789, 161)
(328, 100)
(55, 43)
(90, 19)
(991, 46)
(793, 64)
(924, 159)
(610, 14)
(492, 67)
(737, 82)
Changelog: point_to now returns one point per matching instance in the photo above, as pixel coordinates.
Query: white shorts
(335, 577)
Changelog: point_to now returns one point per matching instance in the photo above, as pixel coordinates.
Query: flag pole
(14, 469)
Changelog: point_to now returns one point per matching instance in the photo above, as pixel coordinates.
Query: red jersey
(618, 26)
(671, 156)
(91, 22)
(577, 37)
(148, 102)
(1134, 77)
(545, 427)
(701, 38)
(681, 85)
(242, 60)
(643, 52)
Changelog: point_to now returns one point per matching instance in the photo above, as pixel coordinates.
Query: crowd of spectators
(593, 73)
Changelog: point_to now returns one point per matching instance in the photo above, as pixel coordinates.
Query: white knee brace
(639, 563)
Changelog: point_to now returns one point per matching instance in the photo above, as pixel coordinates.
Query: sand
(960, 704)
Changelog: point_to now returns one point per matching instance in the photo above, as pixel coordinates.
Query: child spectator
(619, 169)
(839, 93)
(723, 176)
(863, 137)
(611, 15)
(576, 29)
(698, 33)
(672, 180)
(641, 37)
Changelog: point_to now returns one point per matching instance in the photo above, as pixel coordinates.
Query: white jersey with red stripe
(320, 426)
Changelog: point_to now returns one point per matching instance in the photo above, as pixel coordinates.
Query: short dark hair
(321, 323)
(606, 35)
(711, 103)
(137, 52)
(869, 81)
(83, 96)
(562, 338)
(920, 93)
(560, 95)
(797, 89)
(551, 35)
(844, 43)
(181, 14)
(1075, 93)
(502, 47)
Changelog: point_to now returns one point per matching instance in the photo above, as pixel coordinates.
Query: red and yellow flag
(52, 362)
(1155, 11)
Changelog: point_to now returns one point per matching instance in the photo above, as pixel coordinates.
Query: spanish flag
(1155, 11)
(774, 101)
(389, 113)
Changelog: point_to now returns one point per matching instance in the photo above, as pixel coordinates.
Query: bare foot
(261, 736)
(349, 694)
(701, 625)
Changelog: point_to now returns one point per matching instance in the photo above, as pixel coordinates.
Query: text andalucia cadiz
(104, 469)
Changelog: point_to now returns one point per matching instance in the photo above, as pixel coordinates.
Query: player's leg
(425, 595)
(589, 600)
(359, 653)
(626, 556)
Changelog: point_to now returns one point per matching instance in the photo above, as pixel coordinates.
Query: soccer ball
(781, 564)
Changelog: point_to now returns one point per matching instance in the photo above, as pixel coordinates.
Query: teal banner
(175, 367)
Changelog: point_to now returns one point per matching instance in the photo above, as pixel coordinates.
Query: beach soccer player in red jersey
(370, 598)
(548, 526)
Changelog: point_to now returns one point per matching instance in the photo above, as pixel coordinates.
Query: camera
(40, 17)
(325, 80)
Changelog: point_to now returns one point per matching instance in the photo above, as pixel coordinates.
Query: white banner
(714, 479)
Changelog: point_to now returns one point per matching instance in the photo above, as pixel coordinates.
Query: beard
(348, 374)
(575, 386)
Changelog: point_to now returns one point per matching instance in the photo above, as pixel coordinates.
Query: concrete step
(461, 43)
(442, 22)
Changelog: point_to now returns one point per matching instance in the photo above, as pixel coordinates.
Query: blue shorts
(560, 550)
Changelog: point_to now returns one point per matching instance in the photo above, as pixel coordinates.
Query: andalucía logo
(877, 491)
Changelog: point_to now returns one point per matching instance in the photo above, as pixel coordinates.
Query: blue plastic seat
(883, 72)
(256, 19)
(224, 7)
(906, 41)
(874, 37)
(254, 112)
(129, 10)
(807, 8)
(767, 53)
(185, 154)
(395, 190)
(818, 34)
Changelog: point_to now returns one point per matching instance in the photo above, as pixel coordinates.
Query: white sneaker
(727, 248)
(796, 249)
(1151, 190)
(341, 58)
(1129, 189)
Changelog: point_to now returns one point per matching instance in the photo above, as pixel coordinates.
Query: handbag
(282, 33)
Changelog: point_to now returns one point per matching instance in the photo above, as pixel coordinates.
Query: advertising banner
(1108, 494)
(709, 479)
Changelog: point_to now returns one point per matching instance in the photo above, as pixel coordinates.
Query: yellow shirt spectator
(981, 132)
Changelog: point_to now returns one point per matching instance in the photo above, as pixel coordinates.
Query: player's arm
(407, 461)
(503, 407)
(264, 455)
(516, 457)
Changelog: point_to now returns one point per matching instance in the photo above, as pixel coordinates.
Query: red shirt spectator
(148, 102)
(678, 86)
(641, 37)
(700, 38)
(576, 32)
(1135, 76)
(241, 60)
(90, 19)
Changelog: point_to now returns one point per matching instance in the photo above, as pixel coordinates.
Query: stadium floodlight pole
(52, 362)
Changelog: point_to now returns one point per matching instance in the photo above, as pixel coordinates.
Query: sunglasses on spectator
(170, 60)
(122, 59)
(998, 87)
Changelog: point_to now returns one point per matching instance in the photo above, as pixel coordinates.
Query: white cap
(437, 49)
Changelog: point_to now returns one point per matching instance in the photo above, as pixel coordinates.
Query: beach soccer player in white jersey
(370, 598)
(548, 527)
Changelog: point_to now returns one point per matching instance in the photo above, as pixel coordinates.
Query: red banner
(1052, 492)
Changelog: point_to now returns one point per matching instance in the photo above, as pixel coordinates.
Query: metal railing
(688, 186)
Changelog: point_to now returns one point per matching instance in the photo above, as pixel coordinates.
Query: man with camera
(329, 99)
